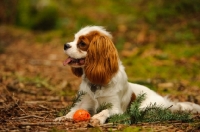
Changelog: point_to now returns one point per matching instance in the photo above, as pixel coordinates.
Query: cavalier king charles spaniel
(93, 57)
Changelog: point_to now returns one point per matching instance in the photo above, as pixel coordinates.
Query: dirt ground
(35, 86)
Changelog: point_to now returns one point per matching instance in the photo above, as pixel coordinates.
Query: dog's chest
(96, 91)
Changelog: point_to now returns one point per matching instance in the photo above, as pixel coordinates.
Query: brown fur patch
(77, 71)
(101, 62)
(86, 39)
(133, 98)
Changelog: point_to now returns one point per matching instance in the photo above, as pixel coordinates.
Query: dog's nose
(66, 46)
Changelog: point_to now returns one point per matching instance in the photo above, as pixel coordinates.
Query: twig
(165, 129)
(169, 107)
(44, 107)
(79, 129)
(29, 116)
(9, 106)
(108, 125)
(46, 117)
(13, 88)
(161, 122)
(36, 102)
(39, 123)
(16, 102)
(19, 107)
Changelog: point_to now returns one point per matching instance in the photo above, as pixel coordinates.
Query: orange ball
(81, 115)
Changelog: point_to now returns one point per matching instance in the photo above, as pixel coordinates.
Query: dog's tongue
(67, 61)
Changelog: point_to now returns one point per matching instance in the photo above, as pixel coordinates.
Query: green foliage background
(156, 39)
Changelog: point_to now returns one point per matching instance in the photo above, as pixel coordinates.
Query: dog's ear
(77, 71)
(101, 62)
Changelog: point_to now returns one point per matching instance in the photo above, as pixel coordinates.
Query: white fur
(118, 91)
(89, 29)
(74, 52)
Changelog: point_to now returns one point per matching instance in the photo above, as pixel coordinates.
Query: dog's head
(93, 53)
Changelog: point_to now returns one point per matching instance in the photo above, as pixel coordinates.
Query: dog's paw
(62, 118)
(94, 122)
(68, 117)
(101, 117)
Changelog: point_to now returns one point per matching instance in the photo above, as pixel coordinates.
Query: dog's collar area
(94, 87)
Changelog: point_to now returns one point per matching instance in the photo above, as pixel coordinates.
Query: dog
(93, 56)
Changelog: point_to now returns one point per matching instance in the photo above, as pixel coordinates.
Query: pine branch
(132, 115)
(104, 106)
(134, 110)
(163, 114)
(75, 100)
(120, 118)
(151, 113)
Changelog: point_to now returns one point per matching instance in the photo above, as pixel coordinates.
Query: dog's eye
(82, 44)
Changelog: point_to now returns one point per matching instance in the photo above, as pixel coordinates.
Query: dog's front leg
(104, 114)
(86, 103)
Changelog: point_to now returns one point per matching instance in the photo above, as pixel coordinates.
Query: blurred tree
(8, 11)
(50, 14)
(37, 14)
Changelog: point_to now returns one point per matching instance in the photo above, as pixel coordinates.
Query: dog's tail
(185, 106)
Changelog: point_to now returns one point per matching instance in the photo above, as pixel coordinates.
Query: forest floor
(35, 86)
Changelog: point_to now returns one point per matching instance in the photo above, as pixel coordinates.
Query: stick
(39, 123)
(16, 102)
(29, 116)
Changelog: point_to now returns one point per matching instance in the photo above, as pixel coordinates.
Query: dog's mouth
(74, 62)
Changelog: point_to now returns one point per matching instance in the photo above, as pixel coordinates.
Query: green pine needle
(120, 118)
(134, 110)
(151, 113)
(104, 106)
(75, 100)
